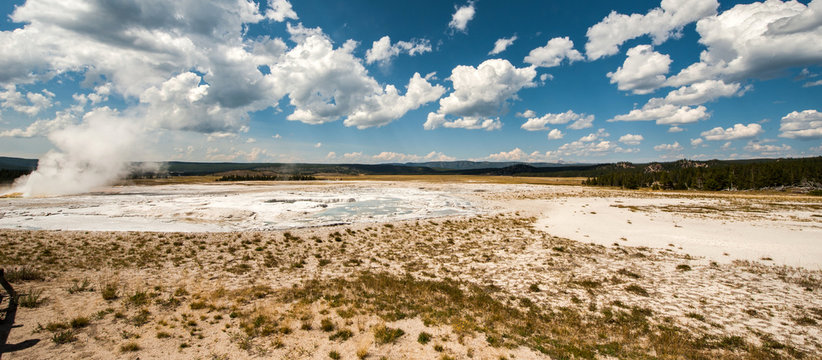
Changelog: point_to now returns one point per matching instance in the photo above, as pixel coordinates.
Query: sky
(362, 81)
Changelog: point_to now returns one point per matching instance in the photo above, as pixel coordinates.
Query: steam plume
(91, 154)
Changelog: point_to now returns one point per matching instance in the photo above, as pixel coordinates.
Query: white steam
(91, 154)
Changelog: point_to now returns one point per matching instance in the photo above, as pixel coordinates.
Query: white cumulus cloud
(501, 44)
(756, 40)
(461, 17)
(805, 124)
(30, 104)
(555, 134)
(666, 114)
(383, 51)
(669, 147)
(480, 94)
(605, 37)
(631, 139)
(738, 131)
(279, 10)
(553, 53)
(767, 149)
(541, 123)
(514, 155)
(643, 70)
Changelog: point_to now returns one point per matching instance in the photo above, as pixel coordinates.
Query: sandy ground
(723, 229)
(555, 272)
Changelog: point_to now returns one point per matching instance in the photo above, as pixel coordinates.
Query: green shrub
(424, 338)
(64, 337)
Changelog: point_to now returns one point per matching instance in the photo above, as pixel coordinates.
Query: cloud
(643, 70)
(181, 103)
(460, 19)
(767, 150)
(555, 134)
(62, 120)
(757, 40)
(675, 129)
(389, 105)
(534, 123)
(677, 107)
(696, 142)
(279, 10)
(631, 139)
(514, 155)
(331, 155)
(601, 133)
(480, 94)
(552, 54)
(583, 122)
(276, 137)
(738, 131)
(501, 44)
(585, 149)
(593, 144)
(214, 154)
(218, 135)
(383, 51)
(389, 156)
(435, 120)
(702, 92)
(30, 103)
(352, 155)
(665, 114)
(801, 125)
(812, 83)
(325, 84)
(605, 37)
(669, 147)
(318, 145)
(438, 156)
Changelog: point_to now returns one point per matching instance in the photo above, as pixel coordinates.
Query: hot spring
(228, 207)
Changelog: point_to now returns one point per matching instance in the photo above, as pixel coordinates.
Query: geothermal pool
(227, 207)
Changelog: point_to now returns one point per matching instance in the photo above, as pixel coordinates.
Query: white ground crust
(227, 207)
(787, 236)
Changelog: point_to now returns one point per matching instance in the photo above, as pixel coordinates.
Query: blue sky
(318, 81)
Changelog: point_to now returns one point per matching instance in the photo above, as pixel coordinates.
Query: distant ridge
(10, 163)
(473, 165)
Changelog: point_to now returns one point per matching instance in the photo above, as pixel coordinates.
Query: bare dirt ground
(495, 285)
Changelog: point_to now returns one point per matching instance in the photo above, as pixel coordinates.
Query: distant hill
(473, 165)
(13, 168)
(10, 163)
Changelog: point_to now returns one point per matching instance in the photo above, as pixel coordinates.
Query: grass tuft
(64, 337)
(424, 338)
(636, 289)
(385, 335)
(130, 347)
(32, 299)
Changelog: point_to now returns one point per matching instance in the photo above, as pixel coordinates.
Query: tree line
(717, 175)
